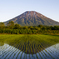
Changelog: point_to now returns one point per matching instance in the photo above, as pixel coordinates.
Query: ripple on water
(7, 51)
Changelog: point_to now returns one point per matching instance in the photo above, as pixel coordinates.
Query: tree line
(13, 28)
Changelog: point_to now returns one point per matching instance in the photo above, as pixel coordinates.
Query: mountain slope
(33, 18)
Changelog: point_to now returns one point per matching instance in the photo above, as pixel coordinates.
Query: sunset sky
(12, 8)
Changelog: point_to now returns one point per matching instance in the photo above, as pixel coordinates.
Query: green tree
(40, 25)
(17, 26)
(25, 27)
(56, 27)
(37, 28)
(2, 25)
(10, 24)
(31, 27)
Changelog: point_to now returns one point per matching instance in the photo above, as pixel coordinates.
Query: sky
(12, 8)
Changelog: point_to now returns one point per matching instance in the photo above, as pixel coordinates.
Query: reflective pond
(10, 52)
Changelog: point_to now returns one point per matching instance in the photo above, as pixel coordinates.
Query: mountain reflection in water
(10, 52)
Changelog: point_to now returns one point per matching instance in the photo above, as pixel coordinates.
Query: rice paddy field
(26, 46)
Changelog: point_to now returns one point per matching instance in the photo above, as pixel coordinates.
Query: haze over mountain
(32, 18)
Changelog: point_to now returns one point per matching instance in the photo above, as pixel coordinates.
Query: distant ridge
(32, 18)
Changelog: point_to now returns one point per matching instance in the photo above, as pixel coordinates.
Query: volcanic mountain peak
(33, 18)
(31, 13)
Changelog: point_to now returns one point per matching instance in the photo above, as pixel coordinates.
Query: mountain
(32, 18)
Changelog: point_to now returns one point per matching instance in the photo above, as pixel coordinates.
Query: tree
(10, 24)
(43, 28)
(56, 27)
(2, 25)
(37, 28)
(40, 26)
(17, 26)
(31, 27)
(25, 27)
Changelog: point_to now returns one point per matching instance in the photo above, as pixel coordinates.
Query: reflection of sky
(14, 53)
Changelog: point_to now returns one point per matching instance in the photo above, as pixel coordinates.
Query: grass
(29, 44)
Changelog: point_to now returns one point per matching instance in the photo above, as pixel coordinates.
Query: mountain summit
(33, 18)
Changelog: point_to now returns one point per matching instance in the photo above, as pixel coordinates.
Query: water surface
(10, 52)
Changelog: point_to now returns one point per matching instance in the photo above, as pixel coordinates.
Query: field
(30, 44)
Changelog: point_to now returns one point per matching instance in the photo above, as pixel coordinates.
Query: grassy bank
(29, 43)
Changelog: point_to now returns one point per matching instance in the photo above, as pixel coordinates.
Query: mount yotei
(32, 18)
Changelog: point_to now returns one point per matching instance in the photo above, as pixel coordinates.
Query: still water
(10, 52)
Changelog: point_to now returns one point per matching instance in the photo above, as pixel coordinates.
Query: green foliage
(31, 27)
(40, 25)
(25, 27)
(2, 25)
(17, 29)
(17, 26)
(10, 24)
